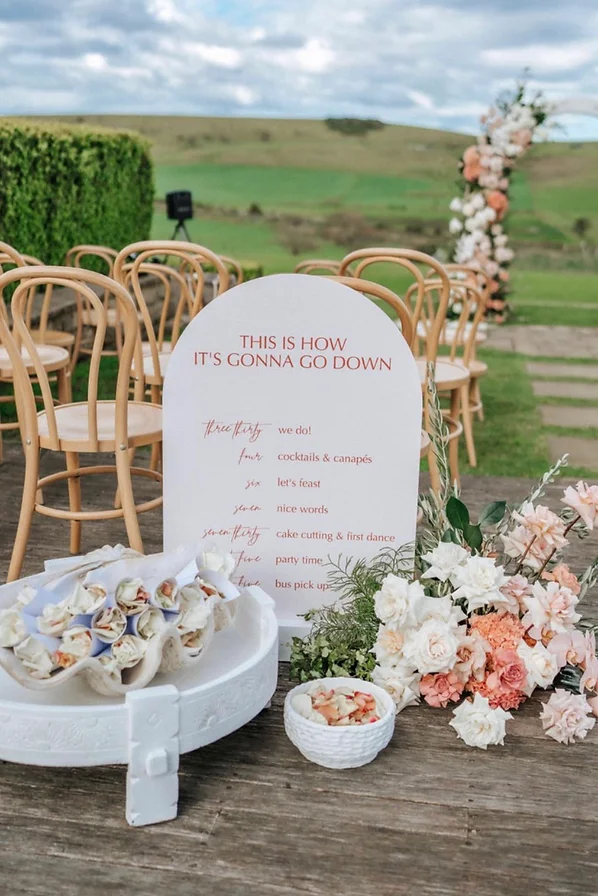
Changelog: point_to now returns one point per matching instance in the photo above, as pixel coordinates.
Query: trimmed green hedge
(61, 185)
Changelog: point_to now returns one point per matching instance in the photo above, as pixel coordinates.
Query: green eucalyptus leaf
(457, 513)
(493, 513)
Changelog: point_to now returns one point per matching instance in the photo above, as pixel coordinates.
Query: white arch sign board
(292, 420)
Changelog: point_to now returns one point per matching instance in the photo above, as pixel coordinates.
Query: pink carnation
(584, 500)
(567, 716)
(438, 690)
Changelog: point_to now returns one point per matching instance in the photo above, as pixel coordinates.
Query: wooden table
(430, 817)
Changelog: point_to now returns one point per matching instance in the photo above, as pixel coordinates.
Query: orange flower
(499, 202)
(471, 164)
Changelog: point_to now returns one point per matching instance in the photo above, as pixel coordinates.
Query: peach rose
(522, 138)
(499, 202)
(504, 276)
(510, 669)
(472, 167)
(563, 575)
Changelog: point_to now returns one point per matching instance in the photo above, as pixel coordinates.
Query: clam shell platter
(81, 718)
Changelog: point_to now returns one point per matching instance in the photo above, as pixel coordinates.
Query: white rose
(12, 627)
(400, 682)
(455, 225)
(54, 619)
(468, 209)
(389, 645)
(479, 582)
(456, 205)
(478, 724)
(478, 201)
(128, 651)
(396, 602)
(195, 618)
(37, 660)
(25, 596)
(441, 608)
(432, 647)
(86, 599)
(542, 665)
(216, 561)
(444, 560)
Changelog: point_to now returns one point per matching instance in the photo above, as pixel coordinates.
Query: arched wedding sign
(509, 129)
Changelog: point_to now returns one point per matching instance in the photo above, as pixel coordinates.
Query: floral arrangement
(114, 607)
(478, 216)
(477, 614)
(341, 705)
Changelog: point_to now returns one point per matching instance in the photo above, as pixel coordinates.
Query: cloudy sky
(436, 64)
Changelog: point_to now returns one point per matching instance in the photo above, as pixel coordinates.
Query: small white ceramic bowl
(338, 746)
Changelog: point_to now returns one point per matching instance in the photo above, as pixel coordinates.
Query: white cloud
(435, 63)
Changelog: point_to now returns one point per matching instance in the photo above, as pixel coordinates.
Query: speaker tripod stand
(181, 228)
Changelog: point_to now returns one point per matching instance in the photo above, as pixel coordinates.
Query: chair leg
(65, 393)
(26, 514)
(454, 443)
(477, 398)
(125, 491)
(74, 487)
(468, 426)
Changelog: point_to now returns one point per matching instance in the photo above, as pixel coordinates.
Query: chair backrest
(475, 277)
(318, 266)
(459, 333)
(80, 281)
(381, 293)
(75, 257)
(175, 300)
(10, 258)
(234, 267)
(413, 261)
(190, 257)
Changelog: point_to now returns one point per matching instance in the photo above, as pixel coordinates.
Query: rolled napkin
(54, 619)
(166, 595)
(36, 653)
(131, 596)
(78, 642)
(13, 629)
(194, 618)
(109, 624)
(128, 651)
(86, 599)
(147, 624)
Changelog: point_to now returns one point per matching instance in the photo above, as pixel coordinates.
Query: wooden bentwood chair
(54, 358)
(447, 376)
(90, 426)
(87, 316)
(189, 278)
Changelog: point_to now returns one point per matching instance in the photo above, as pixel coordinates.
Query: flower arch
(478, 215)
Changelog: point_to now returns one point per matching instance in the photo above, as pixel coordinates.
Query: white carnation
(478, 724)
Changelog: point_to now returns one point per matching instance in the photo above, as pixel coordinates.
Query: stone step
(563, 371)
(582, 452)
(544, 388)
(574, 418)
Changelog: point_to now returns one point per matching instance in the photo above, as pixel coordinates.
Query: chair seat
(152, 377)
(449, 331)
(91, 318)
(144, 426)
(54, 337)
(53, 358)
(147, 349)
(447, 374)
(476, 368)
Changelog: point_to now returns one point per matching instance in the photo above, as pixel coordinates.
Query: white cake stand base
(149, 729)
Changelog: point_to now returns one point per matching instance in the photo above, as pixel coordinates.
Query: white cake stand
(149, 729)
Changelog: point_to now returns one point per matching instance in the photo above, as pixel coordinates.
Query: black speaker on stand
(179, 208)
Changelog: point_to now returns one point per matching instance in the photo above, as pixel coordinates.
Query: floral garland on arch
(475, 614)
(478, 216)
